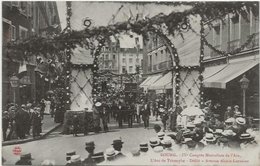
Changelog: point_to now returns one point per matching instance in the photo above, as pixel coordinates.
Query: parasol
(192, 111)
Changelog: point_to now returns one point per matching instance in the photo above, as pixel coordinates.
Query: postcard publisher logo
(17, 150)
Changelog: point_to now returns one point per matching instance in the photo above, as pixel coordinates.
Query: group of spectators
(18, 122)
(198, 135)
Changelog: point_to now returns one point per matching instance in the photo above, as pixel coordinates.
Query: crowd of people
(198, 135)
(20, 122)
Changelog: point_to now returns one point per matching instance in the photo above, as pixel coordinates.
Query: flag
(22, 70)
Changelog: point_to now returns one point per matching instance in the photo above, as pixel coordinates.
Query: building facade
(123, 64)
(223, 74)
(22, 20)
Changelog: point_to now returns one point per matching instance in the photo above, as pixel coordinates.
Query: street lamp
(244, 82)
(14, 83)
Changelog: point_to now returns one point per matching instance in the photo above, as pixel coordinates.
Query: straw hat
(154, 141)
(110, 152)
(161, 135)
(240, 121)
(135, 152)
(98, 104)
(230, 121)
(245, 136)
(228, 133)
(158, 149)
(75, 158)
(209, 137)
(167, 141)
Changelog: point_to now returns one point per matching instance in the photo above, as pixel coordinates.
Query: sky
(101, 13)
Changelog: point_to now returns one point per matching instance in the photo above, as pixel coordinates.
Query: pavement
(47, 127)
(55, 145)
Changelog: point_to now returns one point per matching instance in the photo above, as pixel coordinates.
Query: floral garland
(237, 50)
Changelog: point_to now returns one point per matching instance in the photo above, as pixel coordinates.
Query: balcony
(233, 45)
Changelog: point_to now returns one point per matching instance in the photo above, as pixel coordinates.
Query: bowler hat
(117, 142)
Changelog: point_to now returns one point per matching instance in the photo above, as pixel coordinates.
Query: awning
(162, 82)
(144, 82)
(219, 76)
(150, 81)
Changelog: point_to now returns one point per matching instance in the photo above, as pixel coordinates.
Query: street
(55, 146)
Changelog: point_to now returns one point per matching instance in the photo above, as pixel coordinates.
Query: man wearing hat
(240, 126)
(36, 122)
(167, 143)
(154, 142)
(75, 160)
(90, 147)
(143, 148)
(111, 154)
(117, 145)
(161, 135)
(5, 123)
(25, 159)
(75, 123)
(68, 156)
(247, 141)
(229, 113)
(146, 112)
(21, 118)
(210, 140)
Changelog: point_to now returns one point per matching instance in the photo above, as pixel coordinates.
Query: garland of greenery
(208, 11)
(237, 50)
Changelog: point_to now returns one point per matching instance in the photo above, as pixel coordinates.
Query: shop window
(130, 69)
(23, 33)
(13, 33)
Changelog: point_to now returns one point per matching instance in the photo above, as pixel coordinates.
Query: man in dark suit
(21, 119)
(90, 147)
(117, 145)
(104, 114)
(145, 114)
(120, 114)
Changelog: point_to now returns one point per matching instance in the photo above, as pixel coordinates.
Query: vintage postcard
(130, 83)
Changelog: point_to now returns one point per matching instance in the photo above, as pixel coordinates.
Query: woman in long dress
(47, 107)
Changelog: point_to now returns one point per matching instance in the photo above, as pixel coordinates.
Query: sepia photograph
(89, 83)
